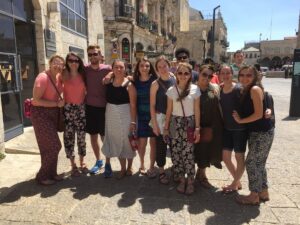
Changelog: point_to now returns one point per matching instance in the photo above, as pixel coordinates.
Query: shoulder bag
(60, 118)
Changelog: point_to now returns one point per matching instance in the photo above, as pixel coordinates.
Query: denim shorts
(235, 140)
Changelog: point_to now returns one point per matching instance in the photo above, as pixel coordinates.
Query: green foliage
(2, 156)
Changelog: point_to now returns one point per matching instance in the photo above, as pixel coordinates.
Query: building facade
(276, 53)
(251, 55)
(30, 32)
(200, 37)
(134, 28)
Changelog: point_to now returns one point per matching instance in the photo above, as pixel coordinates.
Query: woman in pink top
(74, 110)
(44, 115)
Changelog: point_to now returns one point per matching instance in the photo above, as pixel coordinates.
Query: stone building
(251, 55)
(276, 53)
(30, 32)
(200, 37)
(134, 28)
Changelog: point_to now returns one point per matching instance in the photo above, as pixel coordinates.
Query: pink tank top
(74, 90)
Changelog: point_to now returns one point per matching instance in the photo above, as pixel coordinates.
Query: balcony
(224, 43)
(143, 20)
(124, 10)
(153, 27)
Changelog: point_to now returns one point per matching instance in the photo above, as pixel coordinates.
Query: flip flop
(227, 190)
(142, 171)
(151, 173)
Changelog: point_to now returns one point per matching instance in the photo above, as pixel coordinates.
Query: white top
(188, 101)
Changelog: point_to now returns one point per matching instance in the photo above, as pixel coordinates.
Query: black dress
(207, 154)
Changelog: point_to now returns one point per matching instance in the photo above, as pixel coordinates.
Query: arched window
(125, 49)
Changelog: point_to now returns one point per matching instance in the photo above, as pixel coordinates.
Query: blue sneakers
(107, 171)
(97, 167)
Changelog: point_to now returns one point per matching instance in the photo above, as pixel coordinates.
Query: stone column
(158, 16)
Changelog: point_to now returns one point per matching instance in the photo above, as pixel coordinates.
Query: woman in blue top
(144, 75)
(261, 135)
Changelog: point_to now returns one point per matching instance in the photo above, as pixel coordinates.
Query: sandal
(59, 177)
(163, 178)
(151, 173)
(190, 189)
(205, 183)
(75, 172)
(129, 172)
(83, 168)
(181, 187)
(47, 182)
(121, 174)
(264, 195)
(246, 200)
(142, 171)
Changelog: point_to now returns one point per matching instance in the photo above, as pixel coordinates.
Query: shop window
(6, 6)
(7, 36)
(23, 9)
(73, 15)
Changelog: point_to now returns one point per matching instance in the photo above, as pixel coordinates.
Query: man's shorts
(95, 120)
(235, 140)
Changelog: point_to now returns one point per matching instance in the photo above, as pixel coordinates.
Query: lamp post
(213, 33)
(204, 49)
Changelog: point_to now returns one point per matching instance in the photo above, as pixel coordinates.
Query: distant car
(264, 70)
(289, 67)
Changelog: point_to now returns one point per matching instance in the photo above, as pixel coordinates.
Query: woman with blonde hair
(44, 117)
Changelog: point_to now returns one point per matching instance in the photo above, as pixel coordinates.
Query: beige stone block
(287, 215)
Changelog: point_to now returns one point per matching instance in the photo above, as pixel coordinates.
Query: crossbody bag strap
(186, 121)
(161, 84)
(59, 96)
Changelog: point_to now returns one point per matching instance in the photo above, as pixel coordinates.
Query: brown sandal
(163, 178)
(83, 168)
(190, 189)
(75, 172)
(245, 200)
(181, 187)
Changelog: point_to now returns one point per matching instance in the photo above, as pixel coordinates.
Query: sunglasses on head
(183, 73)
(248, 75)
(182, 57)
(93, 54)
(209, 75)
(73, 60)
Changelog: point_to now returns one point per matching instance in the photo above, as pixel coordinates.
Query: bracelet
(133, 123)
(197, 128)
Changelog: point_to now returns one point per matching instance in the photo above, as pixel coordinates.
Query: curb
(20, 151)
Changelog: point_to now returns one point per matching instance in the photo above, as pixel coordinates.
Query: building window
(73, 15)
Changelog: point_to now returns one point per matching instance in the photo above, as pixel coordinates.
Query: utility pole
(213, 33)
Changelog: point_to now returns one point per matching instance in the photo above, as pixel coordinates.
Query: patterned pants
(44, 121)
(75, 123)
(182, 153)
(259, 144)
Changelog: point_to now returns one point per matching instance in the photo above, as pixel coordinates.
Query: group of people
(168, 107)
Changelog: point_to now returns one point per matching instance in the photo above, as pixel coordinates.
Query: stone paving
(139, 200)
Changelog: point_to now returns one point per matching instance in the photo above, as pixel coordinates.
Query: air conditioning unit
(127, 8)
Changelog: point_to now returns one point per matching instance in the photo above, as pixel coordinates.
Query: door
(10, 95)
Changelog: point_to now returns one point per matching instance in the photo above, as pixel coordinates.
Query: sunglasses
(93, 54)
(185, 73)
(182, 57)
(248, 75)
(209, 75)
(73, 61)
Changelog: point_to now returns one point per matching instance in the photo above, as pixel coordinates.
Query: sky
(247, 19)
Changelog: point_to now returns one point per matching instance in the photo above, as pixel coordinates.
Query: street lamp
(213, 33)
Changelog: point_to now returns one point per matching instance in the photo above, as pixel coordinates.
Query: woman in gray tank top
(158, 108)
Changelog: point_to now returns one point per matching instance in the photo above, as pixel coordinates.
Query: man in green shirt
(238, 58)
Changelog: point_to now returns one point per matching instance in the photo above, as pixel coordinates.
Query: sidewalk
(139, 200)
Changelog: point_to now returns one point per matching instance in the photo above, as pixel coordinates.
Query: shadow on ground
(149, 196)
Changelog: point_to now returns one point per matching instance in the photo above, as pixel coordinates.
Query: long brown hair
(137, 73)
(185, 92)
(256, 81)
(80, 67)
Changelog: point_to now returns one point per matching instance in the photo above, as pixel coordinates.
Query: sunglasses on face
(248, 75)
(182, 57)
(73, 61)
(183, 73)
(93, 54)
(208, 75)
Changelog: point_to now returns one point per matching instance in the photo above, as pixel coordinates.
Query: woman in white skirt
(120, 120)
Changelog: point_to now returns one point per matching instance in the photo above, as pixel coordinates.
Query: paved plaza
(139, 200)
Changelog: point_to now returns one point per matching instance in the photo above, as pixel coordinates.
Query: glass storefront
(17, 62)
